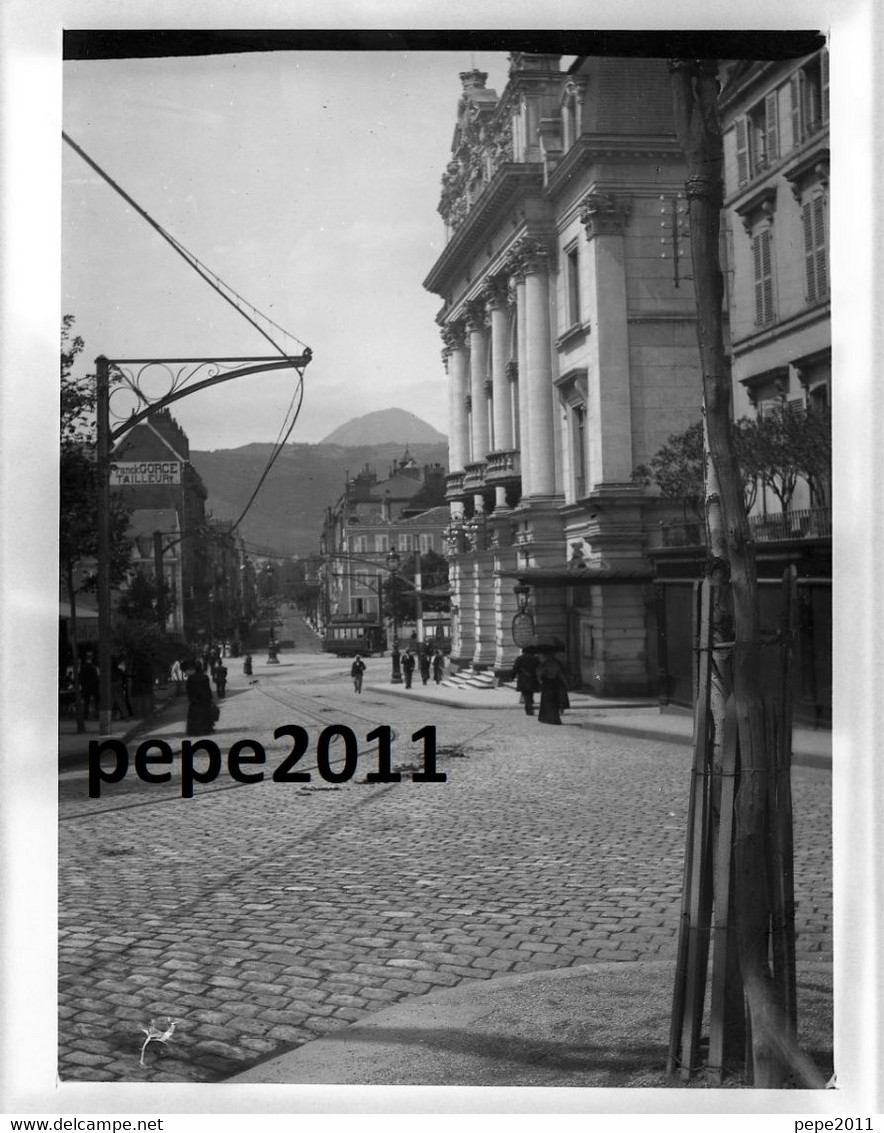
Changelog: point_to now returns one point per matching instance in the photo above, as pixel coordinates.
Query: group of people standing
(429, 662)
(542, 673)
(131, 687)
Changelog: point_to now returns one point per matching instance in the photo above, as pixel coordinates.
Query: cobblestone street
(262, 916)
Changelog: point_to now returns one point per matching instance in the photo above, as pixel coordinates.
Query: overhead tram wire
(222, 288)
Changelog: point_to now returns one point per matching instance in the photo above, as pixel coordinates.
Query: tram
(346, 638)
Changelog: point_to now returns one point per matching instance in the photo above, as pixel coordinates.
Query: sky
(308, 181)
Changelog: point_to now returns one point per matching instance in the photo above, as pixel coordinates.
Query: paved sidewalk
(641, 719)
(598, 1025)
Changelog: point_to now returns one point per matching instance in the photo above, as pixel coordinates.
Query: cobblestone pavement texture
(259, 917)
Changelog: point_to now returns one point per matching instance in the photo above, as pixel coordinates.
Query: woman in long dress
(551, 674)
(200, 703)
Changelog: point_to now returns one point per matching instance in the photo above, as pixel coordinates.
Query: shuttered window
(813, 216)
(772, 128)
(742, 151)
(761, 255)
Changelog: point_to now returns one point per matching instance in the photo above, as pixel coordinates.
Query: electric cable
(218, 285)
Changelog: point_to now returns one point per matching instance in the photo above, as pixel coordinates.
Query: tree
(743, 892)
(78, 489)
(678, 470)
(434, 573)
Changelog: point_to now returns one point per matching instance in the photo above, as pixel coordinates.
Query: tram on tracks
(347, 638)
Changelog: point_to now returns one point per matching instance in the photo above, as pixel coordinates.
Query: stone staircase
(471, 678)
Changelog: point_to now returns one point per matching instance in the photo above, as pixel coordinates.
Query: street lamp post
(183, 385)
(393, 563)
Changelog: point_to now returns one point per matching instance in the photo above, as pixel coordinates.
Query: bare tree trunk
(695, 102)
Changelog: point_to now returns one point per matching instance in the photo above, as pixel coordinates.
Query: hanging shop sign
(128, 473)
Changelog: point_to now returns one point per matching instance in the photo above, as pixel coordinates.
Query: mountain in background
(385, 425)
(286, 517)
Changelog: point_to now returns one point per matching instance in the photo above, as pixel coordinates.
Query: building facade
(568, 324)
(371, 519)
(201, 559)
(775, 120)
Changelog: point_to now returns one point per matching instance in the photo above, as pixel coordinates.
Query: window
(406, 542)
(758, 138)
(426, 543)
(579, 435)
(813, 219)
(809, 93)
(572, 285)
(763, 270)
(381, 543)
(359, 543)
(359, 606)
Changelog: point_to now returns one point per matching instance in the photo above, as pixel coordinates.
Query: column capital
(453, 337)
(604, 214)
(475, 316)
(533, 254)
(495, 292)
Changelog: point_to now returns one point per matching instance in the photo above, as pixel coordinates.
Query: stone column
(610, 427)
(538, 367)
(497, 304)
(458, 426)
(496, 296)
(478, 349)
(523, 441)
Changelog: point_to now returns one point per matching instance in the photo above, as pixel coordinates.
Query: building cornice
(819, 312)
(512, 182)
(590, 148)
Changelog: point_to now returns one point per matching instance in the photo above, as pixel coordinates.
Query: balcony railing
(504, 465)
(805, 523)
(454, 489)
(474, 476)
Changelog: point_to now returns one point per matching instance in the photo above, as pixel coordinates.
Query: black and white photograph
(440, 659)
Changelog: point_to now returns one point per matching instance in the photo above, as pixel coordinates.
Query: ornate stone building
(568, 325)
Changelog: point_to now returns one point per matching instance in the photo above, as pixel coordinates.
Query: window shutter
(818, 210)
(824, 85)
(759, 279)
(809, 251)
(772, 127)
(795, 101)
(742, 151)
(768, 277)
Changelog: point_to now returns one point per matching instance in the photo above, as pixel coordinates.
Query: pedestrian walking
(220, 678)
(176, 674)
(551, 675)
(356, 671)
(438, 666)
(407, 667)
(247, 665)
(89, 683)
(119, 702)
(424, 664)
(527, 681)
(201, 709)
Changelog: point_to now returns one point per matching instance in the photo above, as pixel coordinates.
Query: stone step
(469, 678)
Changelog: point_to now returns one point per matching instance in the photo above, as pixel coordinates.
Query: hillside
(382, 426)
(287, 515)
